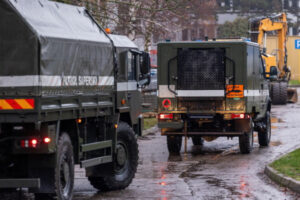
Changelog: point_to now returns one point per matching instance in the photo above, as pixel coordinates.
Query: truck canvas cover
(53, 47)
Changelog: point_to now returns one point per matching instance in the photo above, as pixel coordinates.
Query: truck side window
(131, 67)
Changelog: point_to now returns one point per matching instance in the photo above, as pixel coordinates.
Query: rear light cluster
(240, 116)
(33, 143)
(165, 116)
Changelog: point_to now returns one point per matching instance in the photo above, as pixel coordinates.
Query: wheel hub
(121, 155)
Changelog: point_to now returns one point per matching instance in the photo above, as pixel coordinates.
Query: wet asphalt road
(215, 171)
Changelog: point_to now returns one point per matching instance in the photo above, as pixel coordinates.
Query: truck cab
(133, 75)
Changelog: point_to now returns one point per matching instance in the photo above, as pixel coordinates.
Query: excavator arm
(280, 93)
(277, 23)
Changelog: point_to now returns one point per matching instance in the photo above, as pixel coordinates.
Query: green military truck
(69, 94)
(211, 89)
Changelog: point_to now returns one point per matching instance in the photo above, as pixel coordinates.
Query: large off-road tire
(279, 93)
(246, 141)
(264, 137)
(197, 140)
(126, 162)
(63, 172)
(174, 144)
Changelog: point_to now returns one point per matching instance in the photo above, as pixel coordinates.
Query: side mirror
(145, 77)
(145, 63)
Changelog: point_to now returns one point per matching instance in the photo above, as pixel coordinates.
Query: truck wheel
(197, 140)
(64, 171)
(275, 93)
(264, 137)
(283, 93)
(126, 162)
(174, 144)
(279, 93)
(246, 141)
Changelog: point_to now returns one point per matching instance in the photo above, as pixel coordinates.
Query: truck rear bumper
(20, 183)
(225, 134)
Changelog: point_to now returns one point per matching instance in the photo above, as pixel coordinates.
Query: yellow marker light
(108, 31)
(79, 121)
(116, 126)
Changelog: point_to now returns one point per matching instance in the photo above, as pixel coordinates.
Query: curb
(282, 179)
(294, 86)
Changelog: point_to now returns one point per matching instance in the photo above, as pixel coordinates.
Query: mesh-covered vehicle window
(201, 69)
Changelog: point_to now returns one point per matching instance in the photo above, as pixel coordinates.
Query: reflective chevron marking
(16, 104)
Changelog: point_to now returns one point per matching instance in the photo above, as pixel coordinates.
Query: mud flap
(42, 167)
(242, 125)
(46, 176)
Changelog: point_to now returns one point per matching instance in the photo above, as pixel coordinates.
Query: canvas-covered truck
(69, 94)
(212, 89)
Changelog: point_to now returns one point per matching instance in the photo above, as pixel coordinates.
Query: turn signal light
(47, 140)
(166, 116)
(240, 116)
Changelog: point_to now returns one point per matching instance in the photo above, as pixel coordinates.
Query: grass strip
(289, 165)
(149, 122)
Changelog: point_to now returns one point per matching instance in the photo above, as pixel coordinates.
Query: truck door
(258, 80)
(264, 86)
(134, 95)
(250, 77)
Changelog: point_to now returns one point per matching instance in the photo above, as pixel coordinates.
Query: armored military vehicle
(69, 94)
(212, 89)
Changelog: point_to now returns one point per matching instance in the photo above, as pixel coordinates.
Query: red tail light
(166, 116)
(240, 116)
(166, 103)
(32, 143)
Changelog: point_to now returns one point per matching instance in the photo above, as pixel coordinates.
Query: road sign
(297, 44)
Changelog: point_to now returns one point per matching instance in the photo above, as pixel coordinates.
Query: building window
(194, 35)
(185, 34)
(201, 33)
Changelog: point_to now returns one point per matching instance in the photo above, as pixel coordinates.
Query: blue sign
(297, 44)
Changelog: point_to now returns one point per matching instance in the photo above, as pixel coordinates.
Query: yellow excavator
(279, 91)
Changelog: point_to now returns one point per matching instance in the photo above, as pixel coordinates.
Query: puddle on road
(276, 120)
(226, 153)
(275, 143)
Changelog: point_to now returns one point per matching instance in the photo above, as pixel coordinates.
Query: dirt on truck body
(65, 86)
(212, 89)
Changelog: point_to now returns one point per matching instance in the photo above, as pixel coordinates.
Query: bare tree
(149, 17)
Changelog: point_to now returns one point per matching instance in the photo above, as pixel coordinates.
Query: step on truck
(211, 89)
(69, 95)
